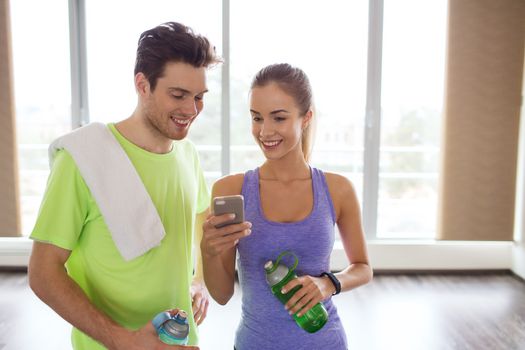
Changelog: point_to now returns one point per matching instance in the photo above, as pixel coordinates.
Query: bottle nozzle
(269, 265)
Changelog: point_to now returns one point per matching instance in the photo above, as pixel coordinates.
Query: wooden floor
(420, 312)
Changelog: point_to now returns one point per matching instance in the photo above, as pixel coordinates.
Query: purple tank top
(265, 324)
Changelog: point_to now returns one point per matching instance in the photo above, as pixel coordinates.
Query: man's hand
(200, 300)
(146, 338)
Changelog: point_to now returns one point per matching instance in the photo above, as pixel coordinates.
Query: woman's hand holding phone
(225, 227)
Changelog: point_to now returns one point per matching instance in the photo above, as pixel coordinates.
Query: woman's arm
(350, 227)
(348, 217)
(218, 245)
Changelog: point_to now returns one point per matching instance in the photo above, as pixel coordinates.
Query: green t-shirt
(130, 292)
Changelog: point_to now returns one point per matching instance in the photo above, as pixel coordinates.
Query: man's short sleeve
(64, 206)
(203, 196)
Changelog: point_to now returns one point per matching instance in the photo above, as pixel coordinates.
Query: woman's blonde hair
(295, 83)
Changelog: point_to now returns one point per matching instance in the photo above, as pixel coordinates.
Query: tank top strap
(320, 186)
(250, 190)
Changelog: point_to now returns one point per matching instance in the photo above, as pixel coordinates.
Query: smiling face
(277, 123)
(177, 100)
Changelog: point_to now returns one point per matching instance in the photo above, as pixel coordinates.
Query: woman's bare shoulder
(342, 192)
(338, 181)
(228, 185)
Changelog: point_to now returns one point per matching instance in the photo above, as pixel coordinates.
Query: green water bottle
(277, 276)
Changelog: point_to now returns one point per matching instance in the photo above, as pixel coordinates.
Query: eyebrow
(186, 91)
(272, 112)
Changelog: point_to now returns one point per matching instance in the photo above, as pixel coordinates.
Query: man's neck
(142, 134)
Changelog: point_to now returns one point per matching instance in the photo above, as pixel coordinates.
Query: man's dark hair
(172, 42)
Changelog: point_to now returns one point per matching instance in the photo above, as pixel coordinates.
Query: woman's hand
(313, 290)
(215, 241)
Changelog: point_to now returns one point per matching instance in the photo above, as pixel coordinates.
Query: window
(42, 92)
(412, 98)
(111, 46)
(329, 42)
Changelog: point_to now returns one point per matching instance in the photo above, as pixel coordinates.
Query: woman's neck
(285, 170)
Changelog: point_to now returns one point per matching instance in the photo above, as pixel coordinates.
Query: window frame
(372, 129)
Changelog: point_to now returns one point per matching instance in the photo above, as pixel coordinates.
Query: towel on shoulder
(116, 186)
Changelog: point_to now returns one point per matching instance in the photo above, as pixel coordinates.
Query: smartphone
(229, 205)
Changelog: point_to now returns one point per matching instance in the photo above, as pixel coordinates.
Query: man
(107, 294)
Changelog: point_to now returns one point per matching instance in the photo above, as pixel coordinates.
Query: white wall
(384, 255)
(518, 263)
(519, 260)
(518, 254)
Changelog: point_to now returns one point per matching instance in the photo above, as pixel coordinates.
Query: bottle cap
(268, 266)
(276, 274)
(181, 317)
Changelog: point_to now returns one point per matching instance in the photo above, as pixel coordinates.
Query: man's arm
(50, 282)
(199, 292)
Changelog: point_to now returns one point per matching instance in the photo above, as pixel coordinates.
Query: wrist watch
(334, 281)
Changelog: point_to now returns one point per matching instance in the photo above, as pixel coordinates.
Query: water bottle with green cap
(277, 276)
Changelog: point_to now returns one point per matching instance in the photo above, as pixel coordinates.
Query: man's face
(176, 101)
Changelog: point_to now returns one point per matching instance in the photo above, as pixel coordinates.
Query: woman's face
(276, 121)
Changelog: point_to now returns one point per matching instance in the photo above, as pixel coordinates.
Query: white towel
(125, 204)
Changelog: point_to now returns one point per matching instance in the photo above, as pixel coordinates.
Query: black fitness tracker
(334, 281)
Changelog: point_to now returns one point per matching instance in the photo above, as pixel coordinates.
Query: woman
(288, 206)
